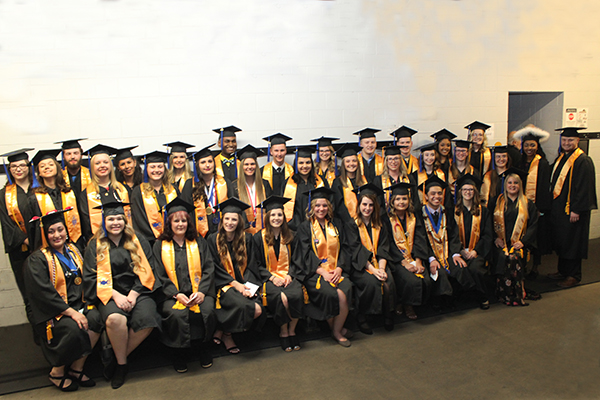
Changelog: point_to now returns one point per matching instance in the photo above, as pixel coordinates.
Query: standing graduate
(408, 250)
(179, 167)
(186, 269)
(370, 163)
(15, 213)
(325, 165)
(370, 272)
(403, 138)
(76, 175)
(322, 265)
(277, 171)
(428, 167)
(148, 201)
(480, 156)
(393, 172)
(343, 186)
(68, 330)
(281, 293)
(225, 161)
(460, 164)
(127, 169)
(53, 193)
(573, 188)
(443, 140)
(237, 305)
(493, 181)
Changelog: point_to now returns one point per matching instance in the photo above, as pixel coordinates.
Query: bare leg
(257, 311)
(135, 338)
(58, 372)
(339, 320)
(117, 330)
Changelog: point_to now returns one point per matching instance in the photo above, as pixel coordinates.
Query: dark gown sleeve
(186, 193)
(222, 278)
(33, 229)
(360, 254)
(139, 216)
(583, 185)
(454, 245)
(340, 209)
(529, 240)
(484, 246)
(259, 257)
(84, 215)
(304, 261)
(232, 189)
(252, 272)
(420, 244)
(207, 283)
(89, 273)
(543, 197)
(11, 233)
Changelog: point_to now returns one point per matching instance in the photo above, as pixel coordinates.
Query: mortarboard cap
(348, 149)
(367, 133)
(369, 188)
(522, 174)
(156, 157)
(227, 131)
(477, 125)
(232, 205)
(277, 138)
(434, 181)
(468, 179)
(249, 151)
(400, 188)
(70, 144)
(17, 155)
(44, 154)
(274, 202)
(569, 131)
(177, 204)
(178, 147)
(112, 206)
(499, 149)
(427, 147)
(101, 149)
(319, 193)
(324, 141)
(443, 134)
(392, 150)
(403, 131)
(462, 144)
(124, 153)
(202, 153)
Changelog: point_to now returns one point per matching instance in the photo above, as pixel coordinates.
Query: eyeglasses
(18, 166)
(468, 190)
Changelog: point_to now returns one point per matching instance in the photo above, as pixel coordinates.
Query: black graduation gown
(84, 213)
(187, 194)
(301, 202)
(543, 202)
(124, 280)
(228, 170)
(69, 343)
(138, 213)
(378, 181)
(235, 313)
(293, 291)
(340, 211)
(371, 293)
(476, 162)
(514, 154)
(14, 237)
(369, 169)
(410, 288)
(128, 188)
(177, 183)
(74, 181)
(278, 180)
(180, 327)
(324, 301)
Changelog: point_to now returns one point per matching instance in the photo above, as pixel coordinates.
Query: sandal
(217, 340)
(233, 349)
(79, 375)
(295, 342)
(410, 312)
(71, 388)
(285, 343)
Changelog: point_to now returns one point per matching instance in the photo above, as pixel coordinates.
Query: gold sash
(438, 240)
(329, 176)
(520, 225)
(350, 199)
(278, 267)
(201, 221)
(12, 208)
(104, 283)
(94, 200)
(154, 213)
(566, 168)
(219, 165)
(531, 185)
(290, 192)
(181, 184)
(268, 172)
(220, 188)
(413, 164)
(475, 229)
(486, 186)
(387, 182)
(326, 247)
(378, 160)
(370, 245)
(194, 268)
(71, 217)
(258, 221)
(485, 160)
(404, 241)
(451, 180)
(86, 179)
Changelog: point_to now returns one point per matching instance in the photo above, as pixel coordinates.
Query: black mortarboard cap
(499, 149)
(569, 131)
(443, 134)
(17, 155)
(348, 149)
(427, 147)
(101, 149)
(70, 144)
(156, 157)
(177, 204)
(522, 174)
(112, 206)
(305, 151)
(367, 133)
(324, 141)
(54, 216)
(463, 144)
(124, 153)
(249, 151)
(233, 204)
(202, 153)
(400, 188)
(433, 181)
(178, 147)
(44, 154)
(369, 188)
(477, 125)
(277, 138)
(403, 131)
(227, 131)
(392, 150)
(274, 202)
(320, 193)
(468, 179)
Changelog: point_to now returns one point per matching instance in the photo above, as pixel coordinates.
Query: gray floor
(549, 350)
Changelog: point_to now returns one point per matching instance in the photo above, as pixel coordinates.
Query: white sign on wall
(576, 117)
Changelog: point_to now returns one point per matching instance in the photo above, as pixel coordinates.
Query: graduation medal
(77, 280)
(209, 210)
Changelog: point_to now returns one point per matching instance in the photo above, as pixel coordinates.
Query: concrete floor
(549, 350)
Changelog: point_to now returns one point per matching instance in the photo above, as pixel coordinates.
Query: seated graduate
(350, 178)
(408, 250)
(445, 261)
(277, 171)
(205, 192)
(326, 163)
(118, 278)
(443, 149)
(185, 267)
(493, 181)
(50, 193)
(179, 171)
(148, 201)
(394, 171)
(370, 273)
(127, 169)
(281, 293)
(460, 163)
(104, 186)
(295, 187)
(515, 227)
(249, 186)
(68, 330)
(322, 264)
(369, 162)
(475, 233)
(235, 269)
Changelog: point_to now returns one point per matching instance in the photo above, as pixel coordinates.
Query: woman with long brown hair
(443, 146)
(127, 169)
(428, 167)
(179, 171)
(343, 186)
(493, 180)
(325, 163)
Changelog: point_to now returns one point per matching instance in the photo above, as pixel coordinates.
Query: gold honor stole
(258, 222)
(219, 165)
(329, 176)
(370, 245)
(485, 187)
(485, 161)
(153, 210)
(104, 284)
(520, 225)
(200, 206)
(438, 240)
(378, 160)
(422, 177)
(86, 179)
(71, 217)
(531, 185)
(326, 247)
(566, 168)
(268, 172)
(57, 277)
(413, 164)
(404, 241)
(289, 192)
(94, 200)
(278, 267)
(475, 229)
(12, 208)
(468, 170)
(350, 199)
(181, 184)
(194, 268)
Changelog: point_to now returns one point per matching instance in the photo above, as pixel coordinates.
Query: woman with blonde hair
(480, 156)
(343, 186)
(394, 171)
(179, 171)
(325, 166)
(118, 279)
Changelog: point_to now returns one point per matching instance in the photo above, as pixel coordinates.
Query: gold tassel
(264, 295)
(305, 295)
(218, 305)
(319, 283)
(49, 335)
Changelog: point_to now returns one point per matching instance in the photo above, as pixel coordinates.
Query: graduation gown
(235, 313)
(181, 326)
(69, 343)
(213, 219)
(543, 202)
(340, 209)
(124, 280)
(139, 217)
(412, 289)
(383, 200)
(270, 293)
(278, 178)
(227, 168)
(74, 181)
(84, 211)
(324, 301)
(369, 168)
(300, 201)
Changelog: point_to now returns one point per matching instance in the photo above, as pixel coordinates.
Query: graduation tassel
(89, 161)
(169, 161)
(145, 170)
(421, 162)
(221, 139)
(196, 179)
(35, 183)
(62, 161)
(318, 158)
(336, 167)
(235, 164)
(309, 200)
(269, 151)
(164, 210)
(7, 174)
(296, 162)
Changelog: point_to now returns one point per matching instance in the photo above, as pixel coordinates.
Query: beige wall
(146, 72)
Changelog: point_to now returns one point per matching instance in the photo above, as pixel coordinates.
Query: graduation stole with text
(94, 200)
(350, 198)
(86, 179)
(153, 210)
(326, 247)
(378, 160)
(194, 268)
(268, 172)
(279, 267)
(369, 244)
(520, 225)
(475, 229)
(104, 283)
(12, 208)
(531, 185)
(71, 217)
(566, 168)
(437, 236)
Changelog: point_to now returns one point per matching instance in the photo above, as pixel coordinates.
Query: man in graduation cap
(371, 164)
(277, 171)
(573, 187)
(75, 174)
(225, 162)
(403, 138)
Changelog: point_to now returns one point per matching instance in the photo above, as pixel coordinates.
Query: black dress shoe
(484, 305)
(119, 377)
(365, 328)
(388, 324)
